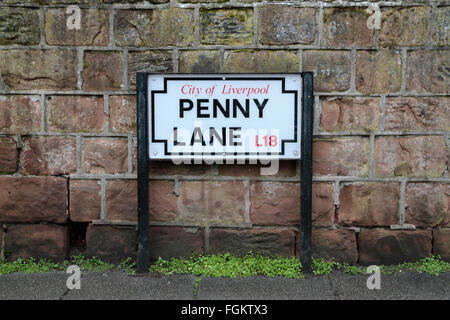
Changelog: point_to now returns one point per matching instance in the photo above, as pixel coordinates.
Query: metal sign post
(219, 117)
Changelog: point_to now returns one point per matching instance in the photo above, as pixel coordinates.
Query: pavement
(118, 285)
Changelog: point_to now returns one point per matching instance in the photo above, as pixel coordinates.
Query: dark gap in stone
(77, 237)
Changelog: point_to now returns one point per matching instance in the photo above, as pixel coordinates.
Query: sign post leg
(306, 171)
(143, 259)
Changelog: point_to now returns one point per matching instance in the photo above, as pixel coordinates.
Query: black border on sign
(283, 90)
(143, 245)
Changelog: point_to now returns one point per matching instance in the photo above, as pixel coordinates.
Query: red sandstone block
(332, 69)
(339, 245)
(392, 247)
(275, 203)
(427, 204)
(441, 243)
(49, 155)
(37, 241)
(111, 243)
(411, 156)
(168, 242)
(121, 200)
(85, 200)
(20, 114)
(346, 27)
(378, 71)
(76, 114)
(105, 156)
(8, 155)
(427, 71)
(411, 113)
(213, 201)
(341, 157)
(286, 168)
(94, 28)
(271, 242)
(322, 205)
(369, 204)
(102, 71)
(406, 27)
(49, 69)
(33, 200)
(350, 114)
(122, 111)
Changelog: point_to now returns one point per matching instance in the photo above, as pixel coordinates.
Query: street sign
(223, 116)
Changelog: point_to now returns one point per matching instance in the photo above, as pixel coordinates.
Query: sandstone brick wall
(381, 191)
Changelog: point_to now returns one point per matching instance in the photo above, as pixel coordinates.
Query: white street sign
(224, 116)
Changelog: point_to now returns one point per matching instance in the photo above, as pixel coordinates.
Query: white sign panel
(224, 116)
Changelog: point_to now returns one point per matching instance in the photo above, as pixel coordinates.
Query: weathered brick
(85, 200)
(413, 156)
(442, 32)
(94, 28)
(32, 200)
(405, 26)
(104, 156)
(332, 69)
(148, 61)
(20, 114)
(286, 25)
(270, 242)
(369, 204)
(8, 155)
(341, 157)
(411, 113)
(378, 71)
(339, 245)
(76, 114)
(102, 71)
(260, 61)
(286, 168)
(350, 114)
(275, 203)
(51, 69)
(37, 241)
(122, 114)
(168, 242)
(212, 201)
(19, 26)
(121, 200)
(49, 155)
(111, 243)
(441, 243)
(226, 26)
(346, 27)
(155, 28)
(427, 71)
(199, 61)
(427, 204)
(392, 246)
